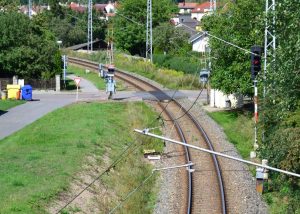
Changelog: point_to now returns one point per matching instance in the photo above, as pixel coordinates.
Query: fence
(4, 82)
(41, 84)
(38, 84)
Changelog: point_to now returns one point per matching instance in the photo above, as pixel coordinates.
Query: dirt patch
(95, 198)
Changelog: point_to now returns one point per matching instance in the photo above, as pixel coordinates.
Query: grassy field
(38, 162)
(7, 104)
(238, 126)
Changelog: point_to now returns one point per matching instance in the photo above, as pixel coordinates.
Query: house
(201, 10)
(34, 10)
(199, 42)
(186, 7)
(77, 7)
(186, 23)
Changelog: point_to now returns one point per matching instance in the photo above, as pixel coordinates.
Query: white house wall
(220, 100)
(200, 44)
(197, 16)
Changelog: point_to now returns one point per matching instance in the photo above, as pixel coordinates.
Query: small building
(201, 10)
(199, 42)
(220, 100)
(186, 7)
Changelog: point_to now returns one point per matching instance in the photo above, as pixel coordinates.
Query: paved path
(44, 102)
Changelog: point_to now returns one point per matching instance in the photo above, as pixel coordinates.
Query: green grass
(38, 162)
(93, 77)
(7, 104)
(238, 127)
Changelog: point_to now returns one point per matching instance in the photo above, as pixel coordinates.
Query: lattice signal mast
(213, 5)
(90, 26)
(29, 8)
(149, 31)
(270, 39)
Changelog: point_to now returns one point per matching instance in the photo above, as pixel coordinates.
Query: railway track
(205, 185)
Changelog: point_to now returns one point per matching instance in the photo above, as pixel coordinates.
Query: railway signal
(255, 61)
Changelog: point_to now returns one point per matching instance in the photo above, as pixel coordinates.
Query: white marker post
(77, 81)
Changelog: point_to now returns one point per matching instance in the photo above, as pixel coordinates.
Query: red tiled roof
(73, 5)
(201, 7)
(187, 5)
(100, 7)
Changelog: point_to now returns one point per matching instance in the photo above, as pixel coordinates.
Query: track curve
(212, 199)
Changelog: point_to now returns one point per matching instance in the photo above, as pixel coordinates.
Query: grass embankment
(7, 104)
(38, 162)
(238, 127)
(169, 78)
(91, 76)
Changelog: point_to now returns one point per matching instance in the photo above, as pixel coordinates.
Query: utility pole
(255, 69)
(90, 26)
(270, 39)
(269, 47)
(213, 5)
(29, 8)
(149, 31)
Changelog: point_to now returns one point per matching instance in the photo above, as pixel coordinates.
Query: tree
(71, 28)
(240, 23)
(170, 40)
(130, 23)
(9, 5)
(26, 49)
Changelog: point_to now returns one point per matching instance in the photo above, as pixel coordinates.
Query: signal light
(255, 61)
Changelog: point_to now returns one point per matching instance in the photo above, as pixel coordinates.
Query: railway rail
(205, 186)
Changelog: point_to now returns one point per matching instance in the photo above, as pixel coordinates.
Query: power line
(116, 162)
(186, 111)
(129, 19)
(133, 191)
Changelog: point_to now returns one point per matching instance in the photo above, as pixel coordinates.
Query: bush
(189, 65)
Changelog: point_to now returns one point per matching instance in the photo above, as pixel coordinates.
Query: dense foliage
(130, 23)
(187, 64)
(282, 108)
(26, 49)
(70, 27)
(242, 24)
(169, 39)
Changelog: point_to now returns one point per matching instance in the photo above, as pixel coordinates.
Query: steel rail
(94, 65)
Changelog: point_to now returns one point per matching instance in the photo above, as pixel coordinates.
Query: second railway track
(205, 187)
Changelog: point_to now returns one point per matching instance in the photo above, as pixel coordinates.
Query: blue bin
(26, 92)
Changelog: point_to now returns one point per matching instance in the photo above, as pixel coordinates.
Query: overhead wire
(115, 162)
(186, 111)
(130, 193)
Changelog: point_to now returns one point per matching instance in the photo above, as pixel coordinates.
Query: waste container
(12, 91)
(27, 92)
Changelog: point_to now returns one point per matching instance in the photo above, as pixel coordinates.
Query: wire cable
(186, 111)
(130, 193)
(117, 161)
